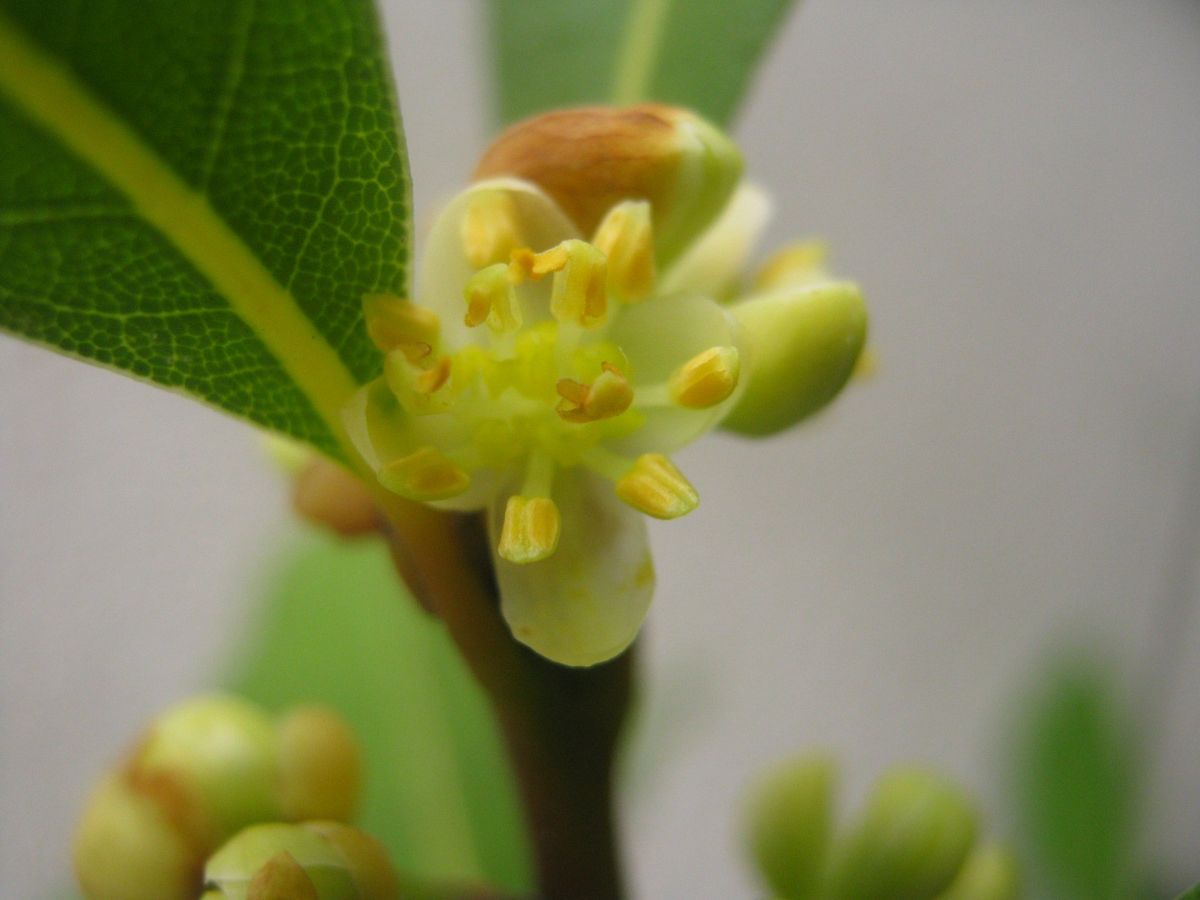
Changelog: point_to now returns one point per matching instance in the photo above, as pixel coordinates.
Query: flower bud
(203, 770)
(803, 344)
(913, 838)
(789, 823)
(218, 752)
(258, 861)
(319, 766)
(589, 159)
(310, 861)
(127, 847)
(990, 873)
(366, 858)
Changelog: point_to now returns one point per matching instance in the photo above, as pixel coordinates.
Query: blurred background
(1017, 188)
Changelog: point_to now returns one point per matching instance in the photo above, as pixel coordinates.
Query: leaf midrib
(51, 96)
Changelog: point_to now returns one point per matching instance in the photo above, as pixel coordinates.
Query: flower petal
(714, 261)
(585, 603)
(657, 337)
(445, 268)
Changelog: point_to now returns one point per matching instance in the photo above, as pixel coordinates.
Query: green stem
(560, 725)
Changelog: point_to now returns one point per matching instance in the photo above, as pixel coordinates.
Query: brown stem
(560, 725)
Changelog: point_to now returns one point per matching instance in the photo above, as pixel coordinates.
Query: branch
(560, 725)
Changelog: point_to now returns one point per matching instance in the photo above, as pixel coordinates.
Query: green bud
(281, 878)
(126, 847)
(591, 158)
(319, 766)
(803, 343)
(915, 834)
(366, 858)
(990, 873)
(789, 821)
(259, 861)
(221, 752)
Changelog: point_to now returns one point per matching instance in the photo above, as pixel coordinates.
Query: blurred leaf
(337, 628)
(1192, 893)
(199, 195)
(695, 53)
(1078, 782)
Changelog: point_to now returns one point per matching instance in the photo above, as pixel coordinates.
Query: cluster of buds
(580, 315)
(204, 771)
(915, 839)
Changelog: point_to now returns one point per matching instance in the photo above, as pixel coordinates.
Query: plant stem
(560, 725)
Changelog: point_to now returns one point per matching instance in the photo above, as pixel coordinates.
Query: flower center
(539, 386)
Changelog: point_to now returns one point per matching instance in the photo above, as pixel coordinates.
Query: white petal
(713, 263)
(444, 267)
(658, 336)
(586, 602)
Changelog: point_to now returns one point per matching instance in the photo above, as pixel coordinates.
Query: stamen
(491, 298)
(654, 486)
(394, 323)
(530, 531)
(609, 395)
(625, 237)
(418, 385)
(580, 293)
(795, 264)
(490, 229)
(525, 265)
(706, 379)
(433, 378)
(424, 474)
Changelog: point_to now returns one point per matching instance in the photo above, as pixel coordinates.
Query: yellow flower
(568, 334)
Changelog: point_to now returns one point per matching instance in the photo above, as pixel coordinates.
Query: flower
(568, 333)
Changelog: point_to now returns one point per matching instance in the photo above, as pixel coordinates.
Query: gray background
(1016, 184)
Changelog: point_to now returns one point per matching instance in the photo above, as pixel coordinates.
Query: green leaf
(337, 628)
(200, 194)
(1078, 782)
(694, 53)
(1192, 893)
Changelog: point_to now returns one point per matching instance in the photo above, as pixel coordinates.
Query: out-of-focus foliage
(699, 53)
(1077, 783)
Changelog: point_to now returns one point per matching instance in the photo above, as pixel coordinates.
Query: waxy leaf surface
(695, 53)
(200, 194)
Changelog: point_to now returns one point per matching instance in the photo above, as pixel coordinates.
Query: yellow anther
(433, 378)
(580, 293)
(609, 395)
(491, 298)
(394, 323)
(796, 264)
(490, 231)
(418, 385)
(654, 486)
(530, 532)
(525, 265)
(424, 474)
(706, 379)
(625, 237)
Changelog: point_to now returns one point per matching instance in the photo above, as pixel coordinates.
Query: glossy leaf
(1078, 783)
(337, 628)
(200, 194)
(695, 53)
